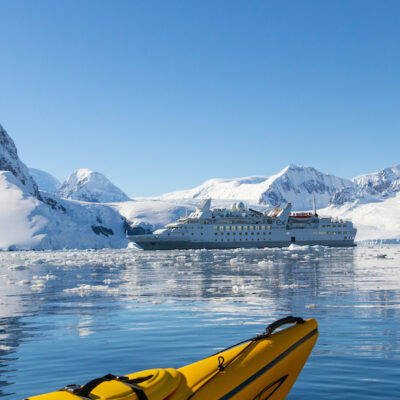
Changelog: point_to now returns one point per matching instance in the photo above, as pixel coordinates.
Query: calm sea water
(69, 316)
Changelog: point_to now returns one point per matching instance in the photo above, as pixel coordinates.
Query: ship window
(263, 227)
(233, 233)
(245, 228)
(246, 233)
(251, 233)
(240, 233)
(228, 228)
(221, 228)
(258, 233)
(314, 233)
(345, 237)
(251, 228)
(239, 228)
(269, 227)
(222, 233)
(234, 228)
(215, 227)
(269, 233)
(287, 233)
(227, 233)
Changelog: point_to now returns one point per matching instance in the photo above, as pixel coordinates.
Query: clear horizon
(161, 96)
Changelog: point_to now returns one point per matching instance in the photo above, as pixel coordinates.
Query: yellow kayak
(263, 367)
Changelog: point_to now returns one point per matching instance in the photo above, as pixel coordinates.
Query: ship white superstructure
(239, 226)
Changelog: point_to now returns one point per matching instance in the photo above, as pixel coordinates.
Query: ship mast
(314, 208)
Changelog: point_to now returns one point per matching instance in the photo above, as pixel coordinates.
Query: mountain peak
(9, 161)
(91, 186)
(295, 184)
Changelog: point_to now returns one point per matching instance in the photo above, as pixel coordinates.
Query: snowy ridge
(372, 187)
(44, 180)
(86, 185)
(9, 161)
(294, 184)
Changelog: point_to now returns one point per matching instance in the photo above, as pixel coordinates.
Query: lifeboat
(260, 368)
(301, 216)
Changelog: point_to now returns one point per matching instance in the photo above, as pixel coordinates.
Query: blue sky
(162, 95)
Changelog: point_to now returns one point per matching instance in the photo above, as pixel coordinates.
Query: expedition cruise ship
(208, 228)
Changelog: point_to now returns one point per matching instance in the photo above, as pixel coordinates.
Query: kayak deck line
(269, 366)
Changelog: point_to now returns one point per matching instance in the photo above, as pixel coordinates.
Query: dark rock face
(9, 161)
(54, 204)
(102, 230)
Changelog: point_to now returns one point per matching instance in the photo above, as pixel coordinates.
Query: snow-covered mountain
(372, 187)
(88, 211)
(9, 161)
(294, 184)
(86, 185)
(45, 181)
(52, 223)
(41, 220)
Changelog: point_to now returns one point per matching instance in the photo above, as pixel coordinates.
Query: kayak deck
(263, 367)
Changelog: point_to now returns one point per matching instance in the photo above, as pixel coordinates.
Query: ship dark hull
(176, 245)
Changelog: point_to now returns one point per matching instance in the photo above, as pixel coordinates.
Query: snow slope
(86, 185)
(44, 180)
(16, 206)
(151, 214)
(294, 184)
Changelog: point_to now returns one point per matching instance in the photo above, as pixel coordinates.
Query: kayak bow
(263, 367)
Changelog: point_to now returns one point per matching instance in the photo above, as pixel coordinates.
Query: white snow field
(17, 229)
(45, 181)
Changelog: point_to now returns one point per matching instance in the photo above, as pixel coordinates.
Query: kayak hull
(265, 367)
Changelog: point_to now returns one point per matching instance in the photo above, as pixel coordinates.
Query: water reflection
(91, 302)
